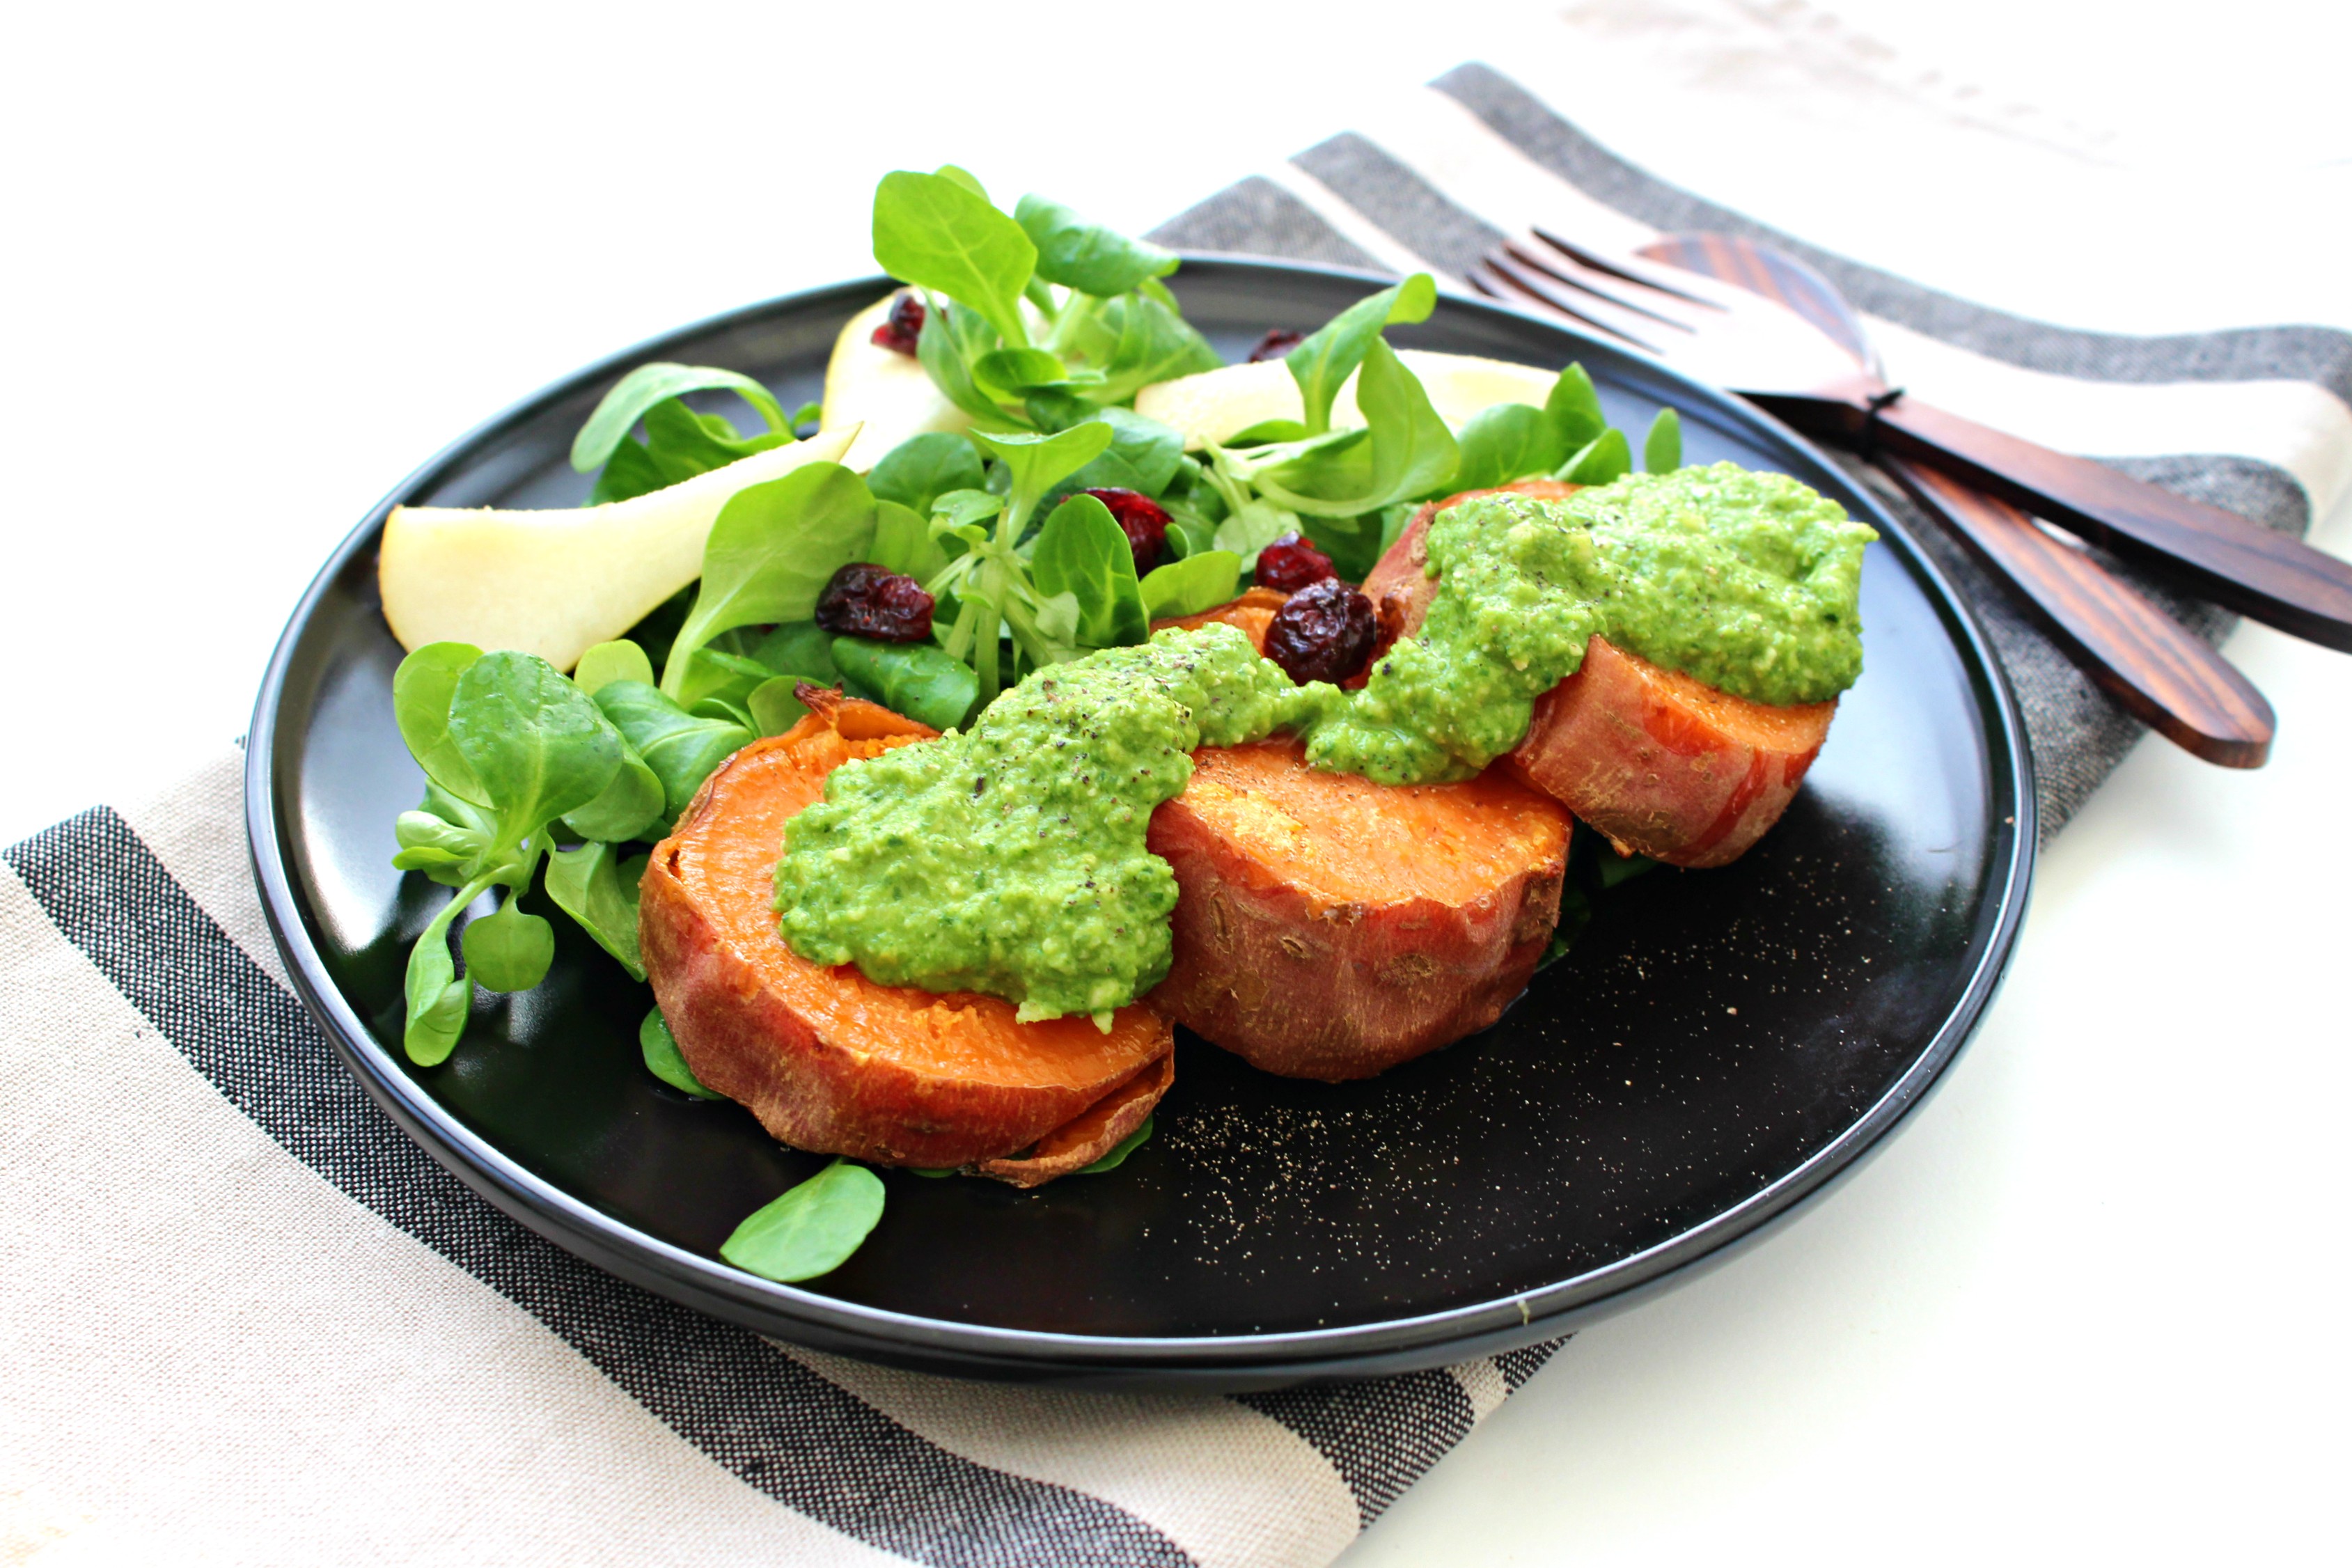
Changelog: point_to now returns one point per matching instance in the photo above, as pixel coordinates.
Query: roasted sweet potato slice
(1663, 764)
(1101, 1129)
(1253, 613)
(1329, 927)
(824, 1057)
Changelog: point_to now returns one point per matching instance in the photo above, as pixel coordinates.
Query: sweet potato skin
(1093, 1133)
(1330, 928)
(1663, 764)
(826, 1060)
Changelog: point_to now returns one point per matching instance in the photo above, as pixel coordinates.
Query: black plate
(1716, 1049)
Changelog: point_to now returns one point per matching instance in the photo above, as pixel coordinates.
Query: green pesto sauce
(1750, 582)
(1010, 860)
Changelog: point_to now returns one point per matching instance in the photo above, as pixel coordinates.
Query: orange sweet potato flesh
(830, 1061)
(1329, 927)
(1663, 764)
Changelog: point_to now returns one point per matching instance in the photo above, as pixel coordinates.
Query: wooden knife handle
(2215, 554)
(2149, 663)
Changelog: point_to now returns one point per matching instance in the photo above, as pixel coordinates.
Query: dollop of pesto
(1010, 859)
(1748, 581)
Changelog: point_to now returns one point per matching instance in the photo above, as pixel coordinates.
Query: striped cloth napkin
(1480, 156)
(246, 1321)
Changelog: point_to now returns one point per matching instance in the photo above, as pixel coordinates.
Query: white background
(260, 261)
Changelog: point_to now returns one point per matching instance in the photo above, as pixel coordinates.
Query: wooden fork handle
(2154, 666)
(2215, 554)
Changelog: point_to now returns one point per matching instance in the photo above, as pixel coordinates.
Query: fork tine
(1483, 277)
(1507, 280)
(1695, 287)
(1494, 286)
(1583, 279)
(1592, 310)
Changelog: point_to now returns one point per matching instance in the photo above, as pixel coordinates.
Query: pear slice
(1218, 403)
(886, 391)
(558, 582)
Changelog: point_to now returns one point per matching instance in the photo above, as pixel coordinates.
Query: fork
(1782, 361)
(2153, 667)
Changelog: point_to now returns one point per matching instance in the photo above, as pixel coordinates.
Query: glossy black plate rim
(1230, 1361)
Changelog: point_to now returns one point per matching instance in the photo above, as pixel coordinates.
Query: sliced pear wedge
(883, 390)
(558, 582)
(1219, 404)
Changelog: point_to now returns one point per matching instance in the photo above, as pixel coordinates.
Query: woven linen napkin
(246, 1321)
(1479, 156)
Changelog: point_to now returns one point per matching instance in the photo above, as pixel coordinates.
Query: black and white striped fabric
(246, 1321)
(1449, 174)
(228, 1259)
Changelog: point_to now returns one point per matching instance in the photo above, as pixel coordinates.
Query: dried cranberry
(1277, 341)
(905, 327)
(1323, 632)
(1142, 520)
(1289, 563)
(864, 601)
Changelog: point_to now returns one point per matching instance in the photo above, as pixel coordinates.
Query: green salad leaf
(1087, 256)
(1604, 460)
(993, 283)
(1037, 463)
(940, 234)
(1143, 455)
(627, 808)
(1136, 340)
(775, 705)
(532, 747)
(598, 888)
(508, 950)
(1509, 441)
(437, 842)
(952, 339)
(772, 549)
(422, 690)
(801, 648)
(537, 745)
(811, 1229)
(1409, 451)
(1662, 448)
(921, 681)
(665, 1061)
(438, 1000)
(1118, 1156)
(1083, 552)
(1573, 407)
(679, 443)
(680, 747)
(1322, 364)
(639, 391)
(1013, 372)
(1251, 527)
(609, 661)
(1188, 586)
(921, 468)
(903, 543)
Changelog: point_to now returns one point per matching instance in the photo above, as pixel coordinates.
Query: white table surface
(260, 262)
